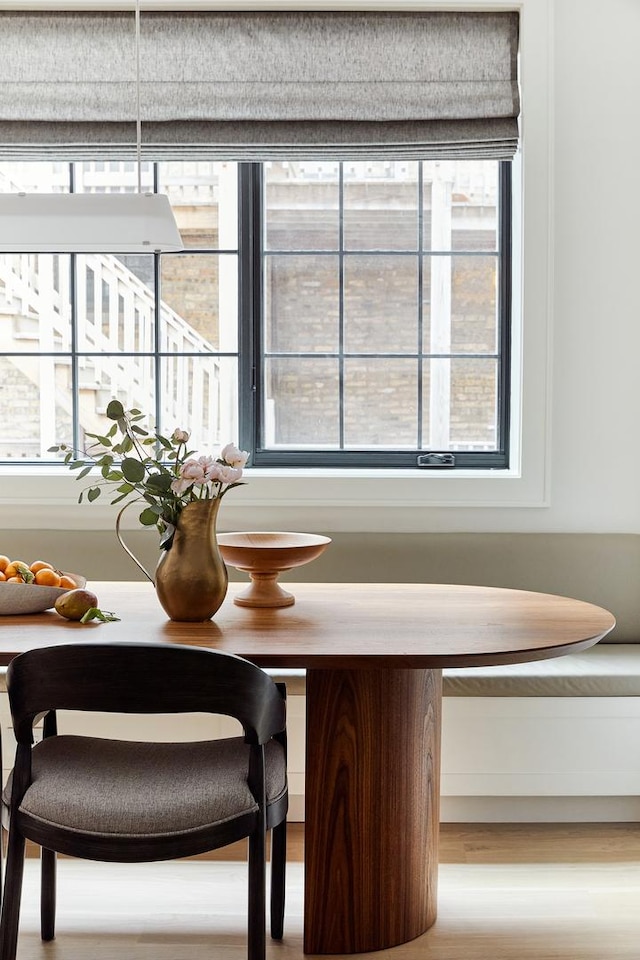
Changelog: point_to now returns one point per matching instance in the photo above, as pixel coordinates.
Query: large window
(325, 314)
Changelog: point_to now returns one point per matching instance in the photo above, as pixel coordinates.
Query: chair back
(142, 678)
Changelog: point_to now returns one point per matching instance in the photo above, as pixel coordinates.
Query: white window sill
(330, 500)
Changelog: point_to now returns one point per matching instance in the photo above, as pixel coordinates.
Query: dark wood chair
(124, 801)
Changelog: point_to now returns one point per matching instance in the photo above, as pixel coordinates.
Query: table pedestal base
(371, 807)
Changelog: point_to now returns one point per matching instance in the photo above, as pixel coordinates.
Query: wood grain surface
(371, 807)
(346, 625)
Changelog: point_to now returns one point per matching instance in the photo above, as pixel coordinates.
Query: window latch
(436, 460)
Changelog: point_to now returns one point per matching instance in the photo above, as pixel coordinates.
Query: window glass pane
(302, 296)
(460, 200)
(200, 394)
(199, 302)
(381, 304)
(473, 404)
(302, 402)
(461, 410)
(130, 379)
(116, 302)
(112, 176)
(34, 177)
(203, 196)
(381, 205)
(380, 403)
(302, 203)
(35, 303)
(473, 305)
(36, 406)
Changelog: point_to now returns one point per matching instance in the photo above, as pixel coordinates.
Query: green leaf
(83, 473)
(76, 465)
(140, 431)
(123, 496)
(53, 449)
(93, 493)
(125, 488)
(94, 613)
(115, 410)
(113, 430)
(113, 475)
(126, 445)
(132, 470)
(148, 518)
(159, 482)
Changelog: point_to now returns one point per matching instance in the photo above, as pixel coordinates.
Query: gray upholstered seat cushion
(114, 787)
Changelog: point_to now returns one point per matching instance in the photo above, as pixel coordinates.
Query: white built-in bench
(545, 740)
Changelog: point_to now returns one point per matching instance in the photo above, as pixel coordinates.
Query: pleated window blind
(260, 85)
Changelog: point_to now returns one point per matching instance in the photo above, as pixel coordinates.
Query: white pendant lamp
(91, 222)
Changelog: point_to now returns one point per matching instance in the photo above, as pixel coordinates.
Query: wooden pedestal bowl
(264, 556)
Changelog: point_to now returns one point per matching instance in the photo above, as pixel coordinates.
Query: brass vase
(191, 578)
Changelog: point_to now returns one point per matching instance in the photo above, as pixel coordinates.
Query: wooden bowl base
(264, 591)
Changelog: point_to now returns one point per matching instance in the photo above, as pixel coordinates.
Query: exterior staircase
(115, 345)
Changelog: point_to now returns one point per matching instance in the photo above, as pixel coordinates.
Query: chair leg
(12, 894)
(278, 875)
(47, 894)
(257, 912)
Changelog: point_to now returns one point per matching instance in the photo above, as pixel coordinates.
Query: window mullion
(341, 265)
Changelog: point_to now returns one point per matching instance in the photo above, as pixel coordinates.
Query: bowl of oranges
(32, 587)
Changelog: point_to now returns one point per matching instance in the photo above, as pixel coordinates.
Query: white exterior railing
(117, 331)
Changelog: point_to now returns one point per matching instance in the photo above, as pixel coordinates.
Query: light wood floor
(507, 892)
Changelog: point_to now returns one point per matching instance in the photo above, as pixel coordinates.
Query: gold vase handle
(126, 548)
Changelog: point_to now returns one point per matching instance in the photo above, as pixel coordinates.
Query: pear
(74, 603)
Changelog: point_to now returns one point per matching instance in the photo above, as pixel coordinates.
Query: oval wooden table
(373, 655)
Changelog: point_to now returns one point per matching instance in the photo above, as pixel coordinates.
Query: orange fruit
(13, 569)
(4, 562)
(15, 580)
(67, 582)
(47, 578)
(2, 576)
(40, 565)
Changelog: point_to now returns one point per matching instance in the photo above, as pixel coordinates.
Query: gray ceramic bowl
(17, 598)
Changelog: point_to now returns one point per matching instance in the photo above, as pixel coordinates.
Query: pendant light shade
(87, 223)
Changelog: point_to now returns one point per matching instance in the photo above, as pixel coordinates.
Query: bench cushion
(605, 670)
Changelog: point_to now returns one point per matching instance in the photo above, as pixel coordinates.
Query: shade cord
(138, 107)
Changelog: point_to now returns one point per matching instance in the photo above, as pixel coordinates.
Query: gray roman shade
(259, 85)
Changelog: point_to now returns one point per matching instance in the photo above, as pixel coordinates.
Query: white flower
(230, 474)
(210, 469)
(191, 471)
(180, 436)
(234, 457)
(180, 486)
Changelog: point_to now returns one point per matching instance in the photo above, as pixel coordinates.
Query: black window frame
(251, 350)
(250, 252)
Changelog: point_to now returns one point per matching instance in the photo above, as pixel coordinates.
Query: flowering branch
(159, 470)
